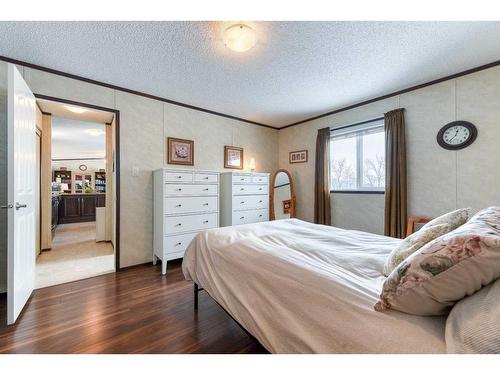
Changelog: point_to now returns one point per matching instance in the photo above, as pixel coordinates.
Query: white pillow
(454, 219)
(473, 325)
(412, 243)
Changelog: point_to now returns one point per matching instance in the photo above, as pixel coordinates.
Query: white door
(21, 194)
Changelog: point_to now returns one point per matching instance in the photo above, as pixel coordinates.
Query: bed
(299, 287)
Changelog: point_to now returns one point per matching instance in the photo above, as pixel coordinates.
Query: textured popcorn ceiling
(297, 70)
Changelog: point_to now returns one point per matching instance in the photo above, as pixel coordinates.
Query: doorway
(78, 178)
(26, 210)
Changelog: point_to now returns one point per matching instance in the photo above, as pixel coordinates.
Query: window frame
(361, 129)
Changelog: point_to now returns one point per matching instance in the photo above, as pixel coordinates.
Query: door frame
(117, 162)
(38, 133)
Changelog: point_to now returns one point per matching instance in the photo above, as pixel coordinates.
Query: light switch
(135, 171)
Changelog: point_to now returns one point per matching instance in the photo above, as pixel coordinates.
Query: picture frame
(180, 151)
(233, 157)
(287, 206)
(295, 157)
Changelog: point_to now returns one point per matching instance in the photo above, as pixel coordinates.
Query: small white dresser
(185, 203)
(245, 198)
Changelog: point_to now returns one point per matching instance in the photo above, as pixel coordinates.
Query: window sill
(357, 192)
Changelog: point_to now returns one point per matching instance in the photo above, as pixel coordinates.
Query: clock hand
(454, 136)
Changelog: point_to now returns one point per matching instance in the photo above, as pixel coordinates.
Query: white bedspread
(305, 288)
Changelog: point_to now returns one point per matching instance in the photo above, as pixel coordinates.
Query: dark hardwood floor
(133, 311)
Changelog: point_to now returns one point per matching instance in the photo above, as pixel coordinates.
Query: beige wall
(144, 124)
(211, 133)
(438, 180)
(72, 165)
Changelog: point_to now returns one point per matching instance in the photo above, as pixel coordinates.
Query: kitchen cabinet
(78, 208)
(55, 213)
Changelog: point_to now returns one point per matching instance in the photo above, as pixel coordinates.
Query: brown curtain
(322, 178)
(395, 174)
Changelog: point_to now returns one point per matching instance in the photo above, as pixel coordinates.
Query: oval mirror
(282, 198)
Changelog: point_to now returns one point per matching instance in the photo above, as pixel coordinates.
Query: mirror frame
(271, 195)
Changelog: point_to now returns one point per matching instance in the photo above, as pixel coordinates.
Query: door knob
(18, 205)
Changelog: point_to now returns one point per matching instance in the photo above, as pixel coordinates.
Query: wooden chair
(412, 220)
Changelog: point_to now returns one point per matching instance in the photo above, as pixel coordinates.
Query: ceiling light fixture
(75, 109)
(240, 38)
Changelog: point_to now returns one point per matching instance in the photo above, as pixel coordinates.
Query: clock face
(457, 135)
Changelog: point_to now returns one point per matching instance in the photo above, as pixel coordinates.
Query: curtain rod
(356, 124)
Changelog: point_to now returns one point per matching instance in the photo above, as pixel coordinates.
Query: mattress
(306, 288)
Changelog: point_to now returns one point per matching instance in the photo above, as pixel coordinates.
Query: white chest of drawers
(185, 203)
(245, 198)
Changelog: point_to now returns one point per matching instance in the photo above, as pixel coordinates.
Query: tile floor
(74, 256)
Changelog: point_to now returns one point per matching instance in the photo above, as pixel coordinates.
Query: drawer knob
(260, 215)
(205, 189)
(205, 222)
(205, 178)
(242, 179)
(179, 176)
(179, 189)
(205, 204)
(242, 189)
(242, 202)
(178, 244)
(179, 205)
(260, 201)
(260, 188)
(241, 218)
(178, 225)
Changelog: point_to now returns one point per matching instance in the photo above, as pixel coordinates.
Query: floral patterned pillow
(453, 218)
(412, 243)
(447, 269)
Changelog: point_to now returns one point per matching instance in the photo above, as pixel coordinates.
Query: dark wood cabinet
(65, 177)
(78, 208)
(55, 214)
(101, 200)
(87, 207)
(100, 182)
(69, 208)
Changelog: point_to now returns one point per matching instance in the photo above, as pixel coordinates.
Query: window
(357, 157)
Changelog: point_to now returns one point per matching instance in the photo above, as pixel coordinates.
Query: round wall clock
(82, 167)
(457, 135)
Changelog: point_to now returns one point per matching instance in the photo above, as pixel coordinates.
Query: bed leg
(196, 290)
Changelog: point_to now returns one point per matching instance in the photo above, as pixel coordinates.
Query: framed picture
(233, 157)
(287, 205)
(297, 157)
(180, 151)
